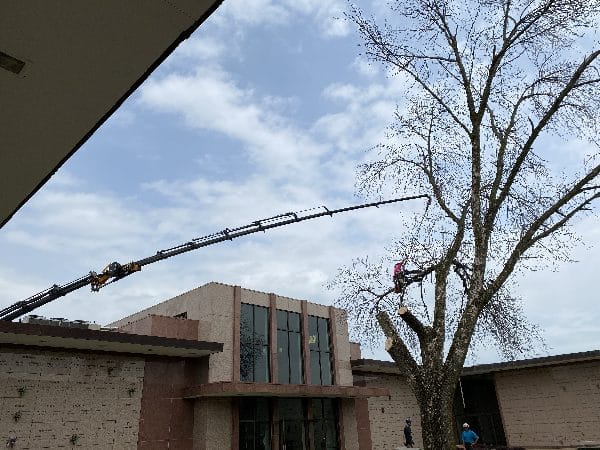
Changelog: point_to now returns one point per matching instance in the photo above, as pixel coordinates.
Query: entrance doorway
(475, 402)
(288, 424)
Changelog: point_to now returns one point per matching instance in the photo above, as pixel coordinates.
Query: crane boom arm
(116, 271)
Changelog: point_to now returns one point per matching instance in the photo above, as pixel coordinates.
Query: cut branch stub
(402, 310)
(389, 343)
(413, 322)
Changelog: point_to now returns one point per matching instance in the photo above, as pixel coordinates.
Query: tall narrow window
(254, 343)
(324, 424)
(320, 350)
(255, 424)
(292, 424)
(289, 348)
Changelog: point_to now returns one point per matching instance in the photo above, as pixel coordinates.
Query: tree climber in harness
(399, 277)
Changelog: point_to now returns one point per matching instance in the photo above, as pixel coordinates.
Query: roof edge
(182, 37)
(380, 366)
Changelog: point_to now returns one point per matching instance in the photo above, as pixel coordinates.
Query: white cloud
(253, 12)
(327, 14)
(209, 99)
(94, 229)
(365, 68)
(199, 48)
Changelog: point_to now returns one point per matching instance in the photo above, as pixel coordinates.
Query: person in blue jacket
(468, 437)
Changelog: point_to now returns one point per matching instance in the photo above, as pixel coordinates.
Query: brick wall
(551, 406)
(349, 424)
(59, 396)
(212, 306)
(388, 415)
(213, 424)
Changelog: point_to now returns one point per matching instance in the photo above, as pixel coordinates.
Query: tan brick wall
(388, 415)
(288, 304)
(163, 326)
(348, 412)
(69, 394)
(551, 406)
(342, 347)
(212, 424)
(212, 306)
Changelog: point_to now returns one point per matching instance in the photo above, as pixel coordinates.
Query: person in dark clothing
(408, 439)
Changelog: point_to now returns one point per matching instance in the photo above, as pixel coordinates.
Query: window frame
(258, 344)
(285, 373)
(320, 352)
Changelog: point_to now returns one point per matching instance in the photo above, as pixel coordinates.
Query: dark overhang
(76, 339)
(65, 67)
(240, 389)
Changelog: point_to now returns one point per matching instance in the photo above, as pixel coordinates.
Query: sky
(268, 108)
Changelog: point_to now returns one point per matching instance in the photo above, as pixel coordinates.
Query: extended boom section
(116, 271)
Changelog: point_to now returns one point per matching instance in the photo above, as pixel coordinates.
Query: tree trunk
(437, 420)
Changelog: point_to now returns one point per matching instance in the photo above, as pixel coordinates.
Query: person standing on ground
(408, 439)
(468, 437)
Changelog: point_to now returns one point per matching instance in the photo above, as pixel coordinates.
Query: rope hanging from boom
(116, 271)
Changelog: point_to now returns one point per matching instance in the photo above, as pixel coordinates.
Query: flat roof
(242, 389)
(567, 358)
(78, 339)
(65, 67)
(378, 366)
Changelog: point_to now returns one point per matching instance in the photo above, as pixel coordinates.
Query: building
(541, 403)
(284, 377)
(222, 367)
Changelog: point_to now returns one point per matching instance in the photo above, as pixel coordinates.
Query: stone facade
(551, 406)
(546, 403)
(212, 306)
(387, 415)
(52, 399)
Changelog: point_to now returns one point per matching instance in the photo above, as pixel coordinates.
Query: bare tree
(496, 90)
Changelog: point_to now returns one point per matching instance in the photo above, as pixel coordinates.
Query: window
(254, 343)
(324, 428)
(320, 351)
(289, 348)
(255, 424)
(182, 315)
(292, 424)
(295, 430)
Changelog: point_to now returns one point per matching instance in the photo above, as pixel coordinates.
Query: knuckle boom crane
(116, 271)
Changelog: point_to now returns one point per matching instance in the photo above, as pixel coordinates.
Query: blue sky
(267, 108)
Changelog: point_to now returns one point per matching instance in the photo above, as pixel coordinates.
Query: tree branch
(396, 348)
(529, 238)
(516, 168)
(414, 323)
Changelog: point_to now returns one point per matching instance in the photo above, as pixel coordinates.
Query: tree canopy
(499, 126)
